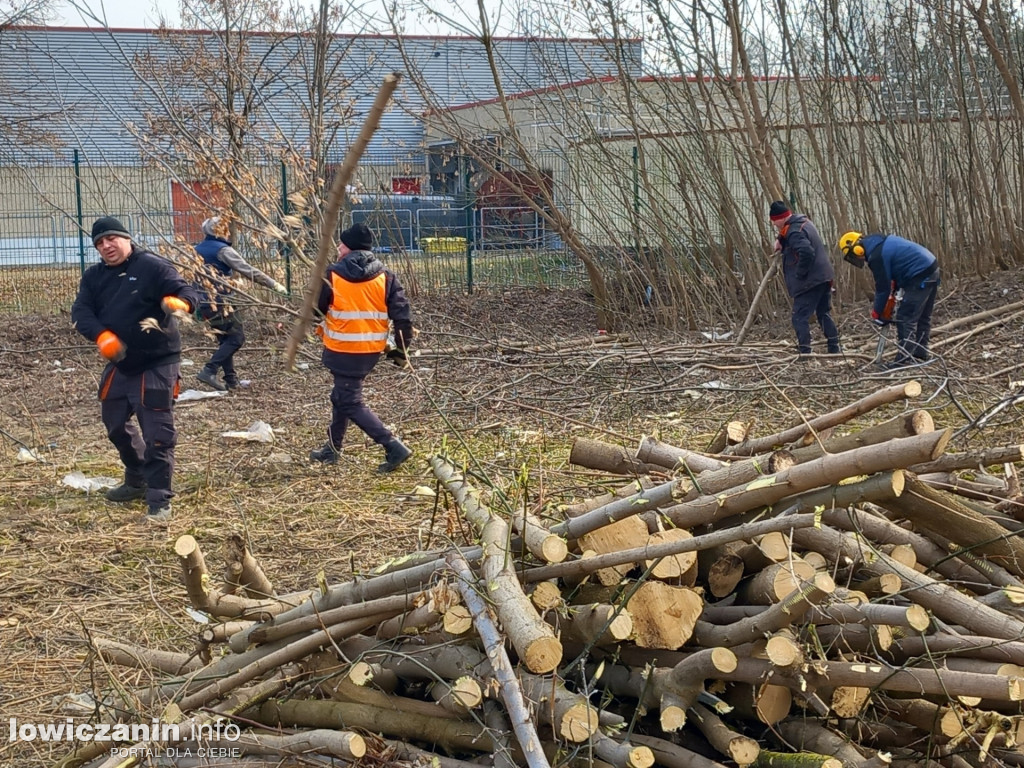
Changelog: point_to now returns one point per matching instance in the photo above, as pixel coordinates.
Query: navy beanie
(778, 210)
(358, 237)
(108, 225)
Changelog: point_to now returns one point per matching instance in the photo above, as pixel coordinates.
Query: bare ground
(73, 565)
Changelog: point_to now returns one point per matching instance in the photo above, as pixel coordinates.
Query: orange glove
(173, 305)
(110, 346)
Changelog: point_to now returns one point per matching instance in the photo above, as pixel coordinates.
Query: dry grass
(74, 565)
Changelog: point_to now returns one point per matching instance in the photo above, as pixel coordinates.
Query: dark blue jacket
(805, 260)
(892, 258)
(118, 298)
(209, 248)
(358, 267)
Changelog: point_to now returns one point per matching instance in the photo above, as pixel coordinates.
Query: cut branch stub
(532, 638)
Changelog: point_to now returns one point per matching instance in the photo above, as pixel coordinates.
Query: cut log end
(543, 655)
(918, 618)
(724, 660)
(672, 718)
(849, 701)
(356, 744)
(773, 703)
(743, 750)
(554, 549)
(639, 757)
(578, 723)
(457, 620)
(546, 596)
(185, 546)
(1015, 688)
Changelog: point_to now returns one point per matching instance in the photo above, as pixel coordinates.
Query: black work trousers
(149, 396)
(815, 301)
(347, 405)
(914, 318)
(231, 337)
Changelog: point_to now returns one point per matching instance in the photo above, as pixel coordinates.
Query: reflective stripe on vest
(357, 320)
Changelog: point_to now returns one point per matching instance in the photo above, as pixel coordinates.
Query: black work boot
(396, 453)
(157, 513)
(231, 380)
(127, 491)
(209, 377)
(899, 362)
(327, 454)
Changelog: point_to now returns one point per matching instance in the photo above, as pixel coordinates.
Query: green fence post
(285, 250)
(469, 248)
(78, 211)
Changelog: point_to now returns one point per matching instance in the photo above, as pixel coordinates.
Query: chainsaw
(888, 313)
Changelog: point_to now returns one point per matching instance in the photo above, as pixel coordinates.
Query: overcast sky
(145, 14)
(142, 14)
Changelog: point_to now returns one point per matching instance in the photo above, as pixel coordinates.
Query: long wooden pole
(330, 219)
(757, 300)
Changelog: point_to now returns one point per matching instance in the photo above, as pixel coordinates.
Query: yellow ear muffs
(851, 248)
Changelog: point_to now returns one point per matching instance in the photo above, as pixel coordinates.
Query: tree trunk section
(651, 451)
(663, 616)
(892, 394)
(594, 454)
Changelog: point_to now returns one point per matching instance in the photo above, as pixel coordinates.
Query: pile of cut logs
(831, 595)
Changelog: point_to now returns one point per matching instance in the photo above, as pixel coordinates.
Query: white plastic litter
(715, 335)
(195, 394)
(713, 384)
(25, 456)
(197, 616)
(80, 482)
(75, 703)
(257, 432)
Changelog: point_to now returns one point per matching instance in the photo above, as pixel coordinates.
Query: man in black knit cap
(358, 300)
(808, 273)
(128, 305)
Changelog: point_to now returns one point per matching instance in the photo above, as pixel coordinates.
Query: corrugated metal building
(92, 121)
(81, 86)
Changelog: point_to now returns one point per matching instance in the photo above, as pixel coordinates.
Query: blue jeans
(815, 301)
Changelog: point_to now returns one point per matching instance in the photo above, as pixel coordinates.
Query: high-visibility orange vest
(357, 320)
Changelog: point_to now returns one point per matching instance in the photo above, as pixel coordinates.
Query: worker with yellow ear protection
(899, 264)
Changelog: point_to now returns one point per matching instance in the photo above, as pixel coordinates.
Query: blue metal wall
(81, 86)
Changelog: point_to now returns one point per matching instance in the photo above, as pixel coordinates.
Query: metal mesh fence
(437, 243)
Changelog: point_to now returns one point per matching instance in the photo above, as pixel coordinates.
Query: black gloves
(397, 356)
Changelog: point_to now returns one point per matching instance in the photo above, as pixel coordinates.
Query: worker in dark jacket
(358, 300)
(808, 272)
(898, 264)
(128, 305)
(222, 263)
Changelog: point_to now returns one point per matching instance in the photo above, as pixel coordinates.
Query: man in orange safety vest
(359, 299)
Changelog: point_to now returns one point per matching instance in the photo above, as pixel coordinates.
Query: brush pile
(829, 595)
